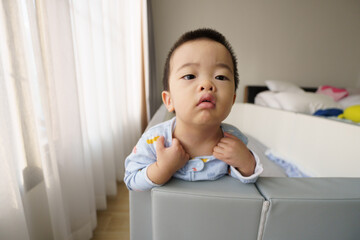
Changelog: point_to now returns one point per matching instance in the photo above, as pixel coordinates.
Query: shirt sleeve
(252, 178)
(137, 163)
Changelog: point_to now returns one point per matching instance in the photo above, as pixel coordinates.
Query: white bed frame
(320, 147)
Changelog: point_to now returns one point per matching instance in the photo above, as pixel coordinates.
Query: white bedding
(300, 102)
(290, 97)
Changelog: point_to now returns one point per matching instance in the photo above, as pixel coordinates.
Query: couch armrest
(221, 209)
(311, 208)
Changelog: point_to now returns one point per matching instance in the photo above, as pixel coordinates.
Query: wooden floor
(113, 223)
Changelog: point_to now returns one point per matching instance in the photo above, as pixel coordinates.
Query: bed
(342, 104)
(316, 146)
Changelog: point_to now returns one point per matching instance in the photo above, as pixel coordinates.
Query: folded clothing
(334, 92)
(291, 169)
(330, 112)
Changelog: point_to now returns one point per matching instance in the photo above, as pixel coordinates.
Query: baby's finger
(218, 155)
(227, 140)
(218, 150)
(160, 143)
(176, 143)
(229, 135)
(222, 145)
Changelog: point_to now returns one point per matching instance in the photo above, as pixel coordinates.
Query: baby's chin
(206, 120)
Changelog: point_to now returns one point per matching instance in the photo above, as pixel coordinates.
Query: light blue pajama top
(198, 168)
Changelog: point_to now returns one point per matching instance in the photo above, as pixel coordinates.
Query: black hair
(197, 34)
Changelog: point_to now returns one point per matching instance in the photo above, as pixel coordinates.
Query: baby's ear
(166, 97)
(234, 98)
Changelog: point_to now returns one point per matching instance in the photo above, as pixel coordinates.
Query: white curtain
(72, 80)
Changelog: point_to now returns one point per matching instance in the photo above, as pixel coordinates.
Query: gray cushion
(140, 215)
(311, 208)
(222, 209)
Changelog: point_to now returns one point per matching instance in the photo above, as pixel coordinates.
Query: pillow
(281, 86)
(335, 93)
(350, 101)
(306, 102)
(267, 99)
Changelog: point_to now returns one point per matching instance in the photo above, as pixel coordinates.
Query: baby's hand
(169, 160)
(172, 158)
(234, 152)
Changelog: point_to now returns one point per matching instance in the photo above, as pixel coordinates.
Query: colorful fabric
(335, 93)
(330, 112)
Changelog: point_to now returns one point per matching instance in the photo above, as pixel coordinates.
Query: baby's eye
(188, 77)
(221, 77)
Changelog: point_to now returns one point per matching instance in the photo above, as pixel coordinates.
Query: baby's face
(201, 81)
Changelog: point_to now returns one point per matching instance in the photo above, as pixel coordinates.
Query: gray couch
(275, 208)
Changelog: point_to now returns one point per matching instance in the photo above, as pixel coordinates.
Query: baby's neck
(198, 141)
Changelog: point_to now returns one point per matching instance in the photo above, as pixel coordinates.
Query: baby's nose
(207, 86)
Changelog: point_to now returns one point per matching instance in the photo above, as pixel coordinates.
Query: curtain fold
(72, 105)
(153, 84)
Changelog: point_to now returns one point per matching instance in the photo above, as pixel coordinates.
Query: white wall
(308, 42)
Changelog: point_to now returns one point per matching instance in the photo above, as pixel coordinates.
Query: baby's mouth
(207, 101)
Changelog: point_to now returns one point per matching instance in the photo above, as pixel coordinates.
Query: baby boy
(200, 82)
